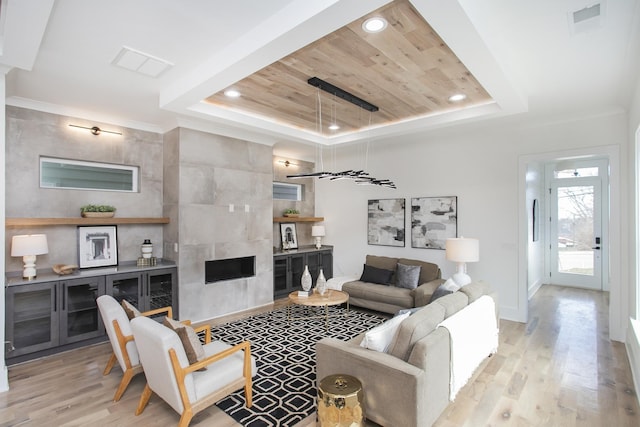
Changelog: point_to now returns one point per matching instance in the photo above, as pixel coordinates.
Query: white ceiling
(524, 53)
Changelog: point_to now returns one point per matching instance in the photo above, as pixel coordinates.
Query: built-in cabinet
(54, 313)
(288, 267)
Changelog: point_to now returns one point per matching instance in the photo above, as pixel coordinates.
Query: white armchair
(187, 388)
(116, 322)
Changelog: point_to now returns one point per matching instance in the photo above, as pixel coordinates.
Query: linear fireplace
(228, 269)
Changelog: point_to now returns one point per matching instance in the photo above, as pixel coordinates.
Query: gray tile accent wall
(213, 172)
(31, 134)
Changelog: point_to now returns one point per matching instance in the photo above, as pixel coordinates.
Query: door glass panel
(127, 289)
(32, 317)
(160, 291)
(280, 274)
(82, 310)
(576, 229)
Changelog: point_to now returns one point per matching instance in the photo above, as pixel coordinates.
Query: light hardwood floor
(560, 369)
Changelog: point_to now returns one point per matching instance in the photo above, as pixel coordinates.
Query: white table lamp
(462, 251)
(28, 246)
(318, 232)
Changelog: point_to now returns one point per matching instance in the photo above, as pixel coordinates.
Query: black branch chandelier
(360, 177)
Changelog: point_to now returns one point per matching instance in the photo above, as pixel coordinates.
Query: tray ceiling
(406, 70)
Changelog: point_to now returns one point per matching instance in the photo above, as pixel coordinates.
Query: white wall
(535, 250)
(479, 165)
(633, 331)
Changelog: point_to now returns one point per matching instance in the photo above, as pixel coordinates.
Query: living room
(192, 170)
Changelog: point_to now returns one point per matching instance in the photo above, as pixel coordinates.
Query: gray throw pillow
(376, 275)
(407, 276)
(440, 291)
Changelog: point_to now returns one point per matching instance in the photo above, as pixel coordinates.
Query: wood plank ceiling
(406, 70)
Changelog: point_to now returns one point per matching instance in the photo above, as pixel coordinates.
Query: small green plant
(97, 208)
(291, 212)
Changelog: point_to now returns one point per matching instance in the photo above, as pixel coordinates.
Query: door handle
(596, 248)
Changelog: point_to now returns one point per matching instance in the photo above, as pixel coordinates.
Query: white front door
(576, 240)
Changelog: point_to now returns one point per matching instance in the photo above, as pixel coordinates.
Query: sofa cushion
(377, 275)
(475, 290)
(379, 293)
(131, 311)
(380, 337)
(446, 288)
(414, 328)
(452, 303)
(190, 341)
(407, 276)
(428, 270)
(383, 262)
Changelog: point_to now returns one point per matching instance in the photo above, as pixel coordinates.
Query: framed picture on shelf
(433, 220)
(385, 224)
(97, 246)
(289, 235)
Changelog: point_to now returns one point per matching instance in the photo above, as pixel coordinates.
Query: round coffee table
(331, 297)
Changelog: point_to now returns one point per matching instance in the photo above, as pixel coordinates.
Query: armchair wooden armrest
(207, 332)
(168, 310)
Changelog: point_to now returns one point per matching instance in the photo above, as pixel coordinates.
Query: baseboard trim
(633, 353)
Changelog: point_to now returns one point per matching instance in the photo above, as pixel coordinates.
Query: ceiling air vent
(141, 62)
(587, 19)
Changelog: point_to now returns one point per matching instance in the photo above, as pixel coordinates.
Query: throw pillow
(380, 337)
(131, 311)
(445, 288)
(407, 276)
(408, 310)
(376, 275)
(190, 341)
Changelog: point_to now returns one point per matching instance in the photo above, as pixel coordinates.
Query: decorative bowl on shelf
(63, 269)
(291, 215)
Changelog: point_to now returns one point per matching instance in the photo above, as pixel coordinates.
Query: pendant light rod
(334, 90)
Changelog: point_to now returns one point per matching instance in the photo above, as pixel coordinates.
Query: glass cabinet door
(160, 285)
(127, 286)
(297, 268)
(79, 316)
(280, 271)
(31, 318)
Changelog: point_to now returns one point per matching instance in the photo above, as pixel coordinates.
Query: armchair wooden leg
(144, 399)
(185, 419)
(248, 392)
(110, 363)
(126, 379)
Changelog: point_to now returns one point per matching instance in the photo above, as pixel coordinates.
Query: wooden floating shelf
(298, 219)
(40, 222)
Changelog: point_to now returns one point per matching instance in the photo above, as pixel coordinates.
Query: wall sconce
(461, 251)
(28, 246)
(95, 130)
(287, 163)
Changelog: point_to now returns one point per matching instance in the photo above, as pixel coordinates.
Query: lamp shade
(462, 249)
(29, 244)
(317, 231)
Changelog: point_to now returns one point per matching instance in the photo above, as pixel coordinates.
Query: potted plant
(97, 211)
(291, 213)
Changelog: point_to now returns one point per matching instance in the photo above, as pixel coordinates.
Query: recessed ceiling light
(457, 97)
(334, 126)
(232, 93)
(374, 25)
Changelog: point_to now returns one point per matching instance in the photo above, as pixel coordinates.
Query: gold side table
(340, 402)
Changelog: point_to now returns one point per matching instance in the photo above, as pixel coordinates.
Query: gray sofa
(409, 385)
(391, 298)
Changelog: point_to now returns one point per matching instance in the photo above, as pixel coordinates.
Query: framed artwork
(386, 222)
(433, 221)
(535, 217)
(97, 246)
(289, 235)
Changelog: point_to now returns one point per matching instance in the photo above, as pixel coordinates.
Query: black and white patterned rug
(284, 390)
